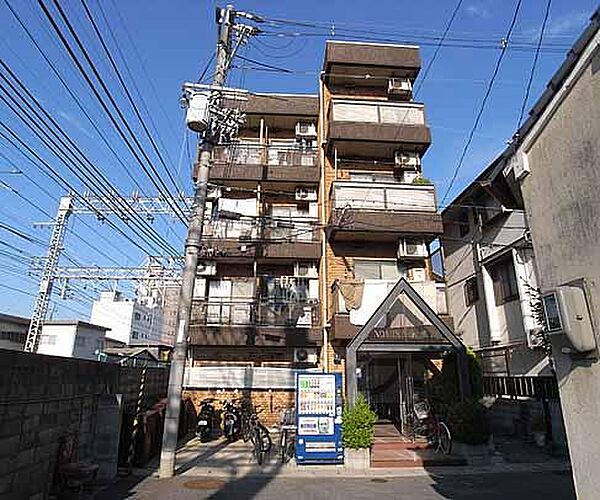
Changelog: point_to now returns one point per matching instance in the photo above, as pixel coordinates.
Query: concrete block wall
(42, 399)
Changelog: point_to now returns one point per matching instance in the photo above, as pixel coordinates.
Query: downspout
(324, 287)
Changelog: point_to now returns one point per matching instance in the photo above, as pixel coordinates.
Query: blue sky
(172, 42)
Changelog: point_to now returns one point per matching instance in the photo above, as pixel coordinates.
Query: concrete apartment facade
(72, 339)
(129, 321)
(315, 212)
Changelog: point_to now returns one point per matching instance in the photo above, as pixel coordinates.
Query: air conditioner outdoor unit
(417, 274)
(306, 194)
(305, 355)
(306, 270)
(400, 86)
(306, 130)
(534, 338)
(411, 248)
(206, 269)
(520, 165)
(407, 160)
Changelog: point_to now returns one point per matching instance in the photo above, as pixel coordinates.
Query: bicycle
(287, 428)
(427, 424)
(255, 432)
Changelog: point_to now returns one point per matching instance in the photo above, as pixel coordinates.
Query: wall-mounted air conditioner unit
(417, 274)
(411, 248)
(534, 338)
(306, 130)
(306, 194)
(306, 270)
(407, 160)
(400, 86)
(520, 165)
(305, 355)
(206, 269)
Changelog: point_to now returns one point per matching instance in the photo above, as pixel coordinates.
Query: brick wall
(42, 398)
(270, 402)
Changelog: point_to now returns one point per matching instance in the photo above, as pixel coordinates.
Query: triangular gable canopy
(404, 317)
(403, 322)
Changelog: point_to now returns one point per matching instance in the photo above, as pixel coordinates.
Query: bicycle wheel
(444, 439)
(283, 446)
(265, 438)
(257, 448)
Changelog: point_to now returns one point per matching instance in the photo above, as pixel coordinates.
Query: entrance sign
(319, 418)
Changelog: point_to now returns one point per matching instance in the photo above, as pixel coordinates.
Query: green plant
(468, 422)
(445, 386)
(421, 180)
(358, 424)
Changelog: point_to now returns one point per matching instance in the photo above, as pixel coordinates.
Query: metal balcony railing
(382, 196)
(250, 154)
(263, 229)
(260, 312)
(541, 387)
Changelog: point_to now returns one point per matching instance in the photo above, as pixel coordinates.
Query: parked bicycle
(287, 438)
(255, 432)
(426, 424)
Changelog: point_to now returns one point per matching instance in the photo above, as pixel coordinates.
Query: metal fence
(542, 387)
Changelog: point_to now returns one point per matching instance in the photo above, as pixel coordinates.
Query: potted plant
(357, 432)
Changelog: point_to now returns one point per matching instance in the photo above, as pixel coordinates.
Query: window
(471, 291)
(377, 269)
(137, 316)
(48, 339)
(505, 281)
(134, 334)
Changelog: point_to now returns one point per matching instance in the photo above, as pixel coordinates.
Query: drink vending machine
(319, 418)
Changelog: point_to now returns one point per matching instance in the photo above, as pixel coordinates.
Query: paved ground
(525, 485)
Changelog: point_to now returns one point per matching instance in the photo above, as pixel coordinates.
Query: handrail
(538, 387)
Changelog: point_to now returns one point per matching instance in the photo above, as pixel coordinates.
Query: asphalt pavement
(526, 485)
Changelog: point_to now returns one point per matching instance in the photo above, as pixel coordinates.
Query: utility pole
(45, 291)
(225, 20)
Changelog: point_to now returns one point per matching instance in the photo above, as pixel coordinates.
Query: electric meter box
(319, 418)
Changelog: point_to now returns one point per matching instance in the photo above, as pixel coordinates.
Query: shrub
(358, 424)
(468, 422)
(445, 384)
(421, 180)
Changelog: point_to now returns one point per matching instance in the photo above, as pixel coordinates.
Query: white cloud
(477, 10)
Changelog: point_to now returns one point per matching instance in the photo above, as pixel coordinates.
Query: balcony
(375, 129)
(346, 322)
(256, 163)
(263, 321)
(263, 238)
(380, 211)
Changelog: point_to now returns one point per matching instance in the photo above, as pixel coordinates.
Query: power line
(484, 101)
(534, 64)
(153, 176)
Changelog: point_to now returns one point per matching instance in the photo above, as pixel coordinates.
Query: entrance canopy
(403, 322)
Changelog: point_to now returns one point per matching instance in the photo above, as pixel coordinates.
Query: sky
(157, 45)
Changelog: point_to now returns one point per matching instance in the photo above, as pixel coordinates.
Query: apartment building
(491, 275)
(13, 331)
(318, 214)
(72, 339)
(129, 321)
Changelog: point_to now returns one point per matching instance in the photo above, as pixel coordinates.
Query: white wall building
(129, 321)
(71, 339)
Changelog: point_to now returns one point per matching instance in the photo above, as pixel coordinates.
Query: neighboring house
(71, 339)
(552, 172)
(129, 321)
(13, 332)
(131, 356)
(491, 278)
(556, 160)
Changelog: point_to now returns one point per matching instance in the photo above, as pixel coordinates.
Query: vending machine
(319, 418)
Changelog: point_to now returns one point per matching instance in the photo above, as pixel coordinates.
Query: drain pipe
(324, 287)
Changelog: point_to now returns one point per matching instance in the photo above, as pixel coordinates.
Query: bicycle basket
(422, 410)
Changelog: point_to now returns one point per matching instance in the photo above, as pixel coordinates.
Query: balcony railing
(267, 229)
(262, 312)
(378, 112)
(383, 196)
(246, 154)
(539, 387)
